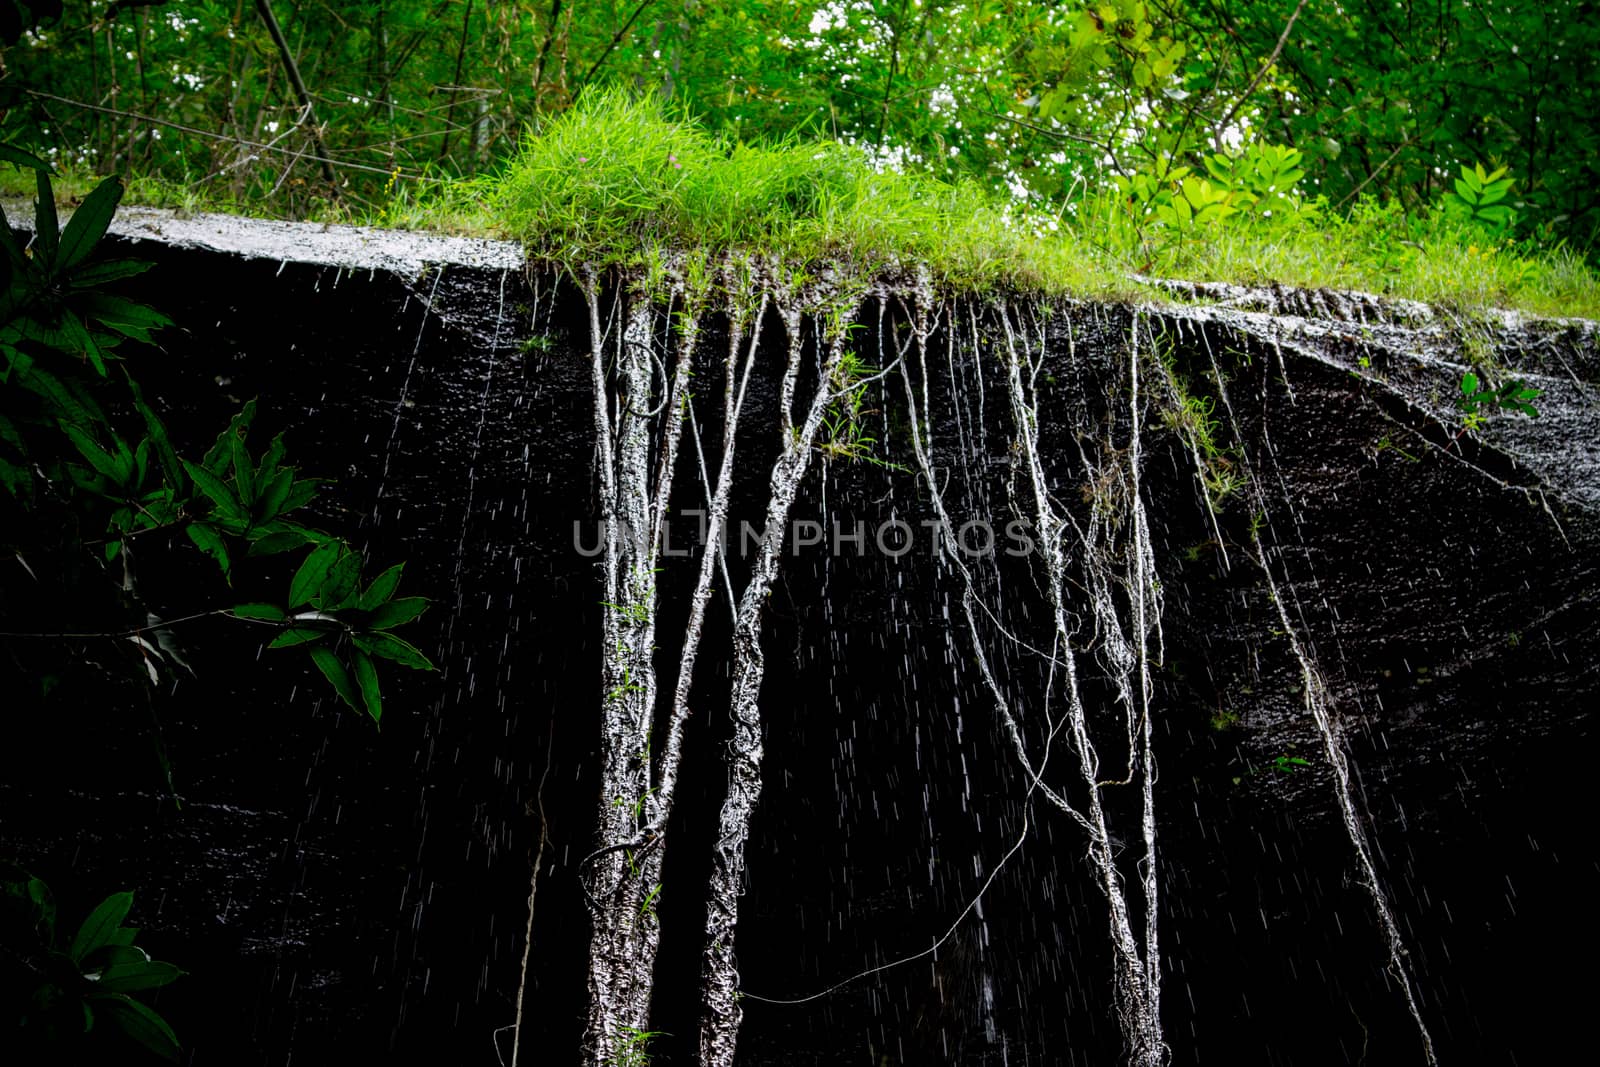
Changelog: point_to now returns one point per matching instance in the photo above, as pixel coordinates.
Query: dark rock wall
(343, 894)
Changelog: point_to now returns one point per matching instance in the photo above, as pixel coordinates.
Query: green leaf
(300, 494)
(269, 612)
(242, 471)
(42, 905)
(88, 224)
(209, 541)
(26, 160)
(367, 678)
(1469, 383)
(1496, 191)
(78, 341)
(393, 648)
(309, 578)
(98, 458)
(270, 460)
(273, 490)
(126, 969)
(139, 1023)
(220, 492)
(298, 635)
(70, 403)
(334, 671)
(47, 226)
(18, 481)
(381, 589)
(338, 589)
(98, 928)
(171, 467)
(272, 542)
(220, 453)
(130, 977)
(127, 317)
(397, 612)
(91, 275)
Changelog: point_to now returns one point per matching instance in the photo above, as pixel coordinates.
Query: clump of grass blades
(1377, 248)
(616, 174)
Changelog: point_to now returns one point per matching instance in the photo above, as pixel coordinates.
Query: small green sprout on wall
(1225, 719)
(1193, 418)
(1478, 398)
(648, 908)
(844, 433)
(633, 1047)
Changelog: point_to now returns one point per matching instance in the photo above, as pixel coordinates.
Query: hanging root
(719, 1029)
(1321, 711)
(1114, 551)
(1324, 717)
(637, 431)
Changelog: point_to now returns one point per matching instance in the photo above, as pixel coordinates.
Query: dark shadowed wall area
(344, 894)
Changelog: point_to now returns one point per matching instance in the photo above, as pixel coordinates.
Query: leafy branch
(1479, 398)
(72, 984)
(63, 457)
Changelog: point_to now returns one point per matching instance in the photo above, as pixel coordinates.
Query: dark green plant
(59, 994)
(87, 467)
(1225, 719)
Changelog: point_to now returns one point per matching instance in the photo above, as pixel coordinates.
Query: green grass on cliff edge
(616, 178)
(615, 175)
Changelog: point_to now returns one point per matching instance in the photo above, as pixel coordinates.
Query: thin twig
(616, 39)
(158, 624)
(1379, 169)
(326, 159)
(533, 892)
(544, 51)
(1277, 50)
(293, 70)
(455, 86)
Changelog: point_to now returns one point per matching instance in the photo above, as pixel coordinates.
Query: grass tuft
(616, 174)
(617, 178)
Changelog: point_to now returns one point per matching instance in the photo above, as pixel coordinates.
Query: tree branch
(461, 54)
(1277, 50)
(293, 70)
(616, 39)
(1379, 169)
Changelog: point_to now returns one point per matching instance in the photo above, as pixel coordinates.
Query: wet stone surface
(341, 894)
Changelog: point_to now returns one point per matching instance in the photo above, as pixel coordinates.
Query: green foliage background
(1042, 102)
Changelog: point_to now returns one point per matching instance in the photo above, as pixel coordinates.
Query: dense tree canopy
(1041, 101)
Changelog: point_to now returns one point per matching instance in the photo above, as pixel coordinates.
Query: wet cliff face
(338, 892)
